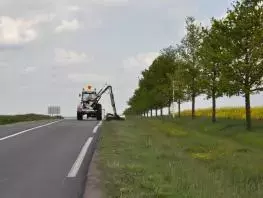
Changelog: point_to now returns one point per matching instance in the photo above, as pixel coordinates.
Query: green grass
(8, 119)
(142, 158)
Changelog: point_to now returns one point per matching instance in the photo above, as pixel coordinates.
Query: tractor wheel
(99, 112)
(79, 116)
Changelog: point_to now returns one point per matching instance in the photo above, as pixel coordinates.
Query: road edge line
(76, 166)
(97, 127)
(27, 130)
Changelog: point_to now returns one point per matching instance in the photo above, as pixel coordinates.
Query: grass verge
(181, 158)
(8, 119)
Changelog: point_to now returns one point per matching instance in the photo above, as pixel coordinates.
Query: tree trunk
(161, 112)
(156, 112)
(151, 113)
(179, 108)
(193, 106)
(247, 97)
(248, 111)
(169, 109)
(214, 95)
(213, 106)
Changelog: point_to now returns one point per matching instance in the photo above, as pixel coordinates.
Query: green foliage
(155, 87)
(191, 43)
(177, 79)
(241, 45)
(225, 59)
(209, 57)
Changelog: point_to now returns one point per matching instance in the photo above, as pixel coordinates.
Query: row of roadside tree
(222, 59)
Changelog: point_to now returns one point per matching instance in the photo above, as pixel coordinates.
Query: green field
(181, 158)
(8, 119)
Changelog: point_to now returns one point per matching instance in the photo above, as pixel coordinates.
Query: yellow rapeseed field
(229, 112)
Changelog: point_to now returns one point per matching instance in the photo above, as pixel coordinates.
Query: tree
(168, 57)
(149, 84)
(209, 55)
(242, 46)
(189, 49)
(146, 85)
(177, 80)
(158, 81)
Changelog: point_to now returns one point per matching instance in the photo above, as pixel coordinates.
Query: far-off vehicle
(90, 106)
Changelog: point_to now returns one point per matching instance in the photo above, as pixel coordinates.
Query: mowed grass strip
(180, 158)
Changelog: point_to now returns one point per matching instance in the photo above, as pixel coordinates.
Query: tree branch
(257, 89)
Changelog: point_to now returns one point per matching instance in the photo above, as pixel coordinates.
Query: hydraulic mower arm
(99, 95)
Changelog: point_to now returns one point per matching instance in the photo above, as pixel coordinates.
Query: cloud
(140, 61)
(30, 69)
(16, 31)
(83, 78)
(66, 57)
(110, 2)
(115, 44)
(42, 18)
(73, 8)
(68, 26)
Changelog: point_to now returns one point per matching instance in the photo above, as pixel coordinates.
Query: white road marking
(96, 127)
(75, 168)
(27, 130)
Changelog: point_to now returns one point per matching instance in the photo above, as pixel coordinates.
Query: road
(48, 160)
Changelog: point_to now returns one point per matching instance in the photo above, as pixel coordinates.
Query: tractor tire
(79, 116)
(99, 112)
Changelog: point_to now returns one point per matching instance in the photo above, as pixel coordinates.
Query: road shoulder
(93, 184)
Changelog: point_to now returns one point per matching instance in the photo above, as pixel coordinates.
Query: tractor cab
(88, 94)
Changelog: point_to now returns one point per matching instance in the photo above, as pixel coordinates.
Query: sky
(50, 49)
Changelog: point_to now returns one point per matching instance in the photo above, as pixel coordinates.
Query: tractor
(90, 106)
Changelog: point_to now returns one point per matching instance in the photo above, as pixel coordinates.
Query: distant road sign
(54, 110)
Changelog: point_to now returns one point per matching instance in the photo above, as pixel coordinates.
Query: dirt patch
(93, 187)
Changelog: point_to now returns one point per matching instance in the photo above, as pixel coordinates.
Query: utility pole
(173, 101)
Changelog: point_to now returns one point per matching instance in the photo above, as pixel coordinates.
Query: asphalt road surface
(46, 159)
